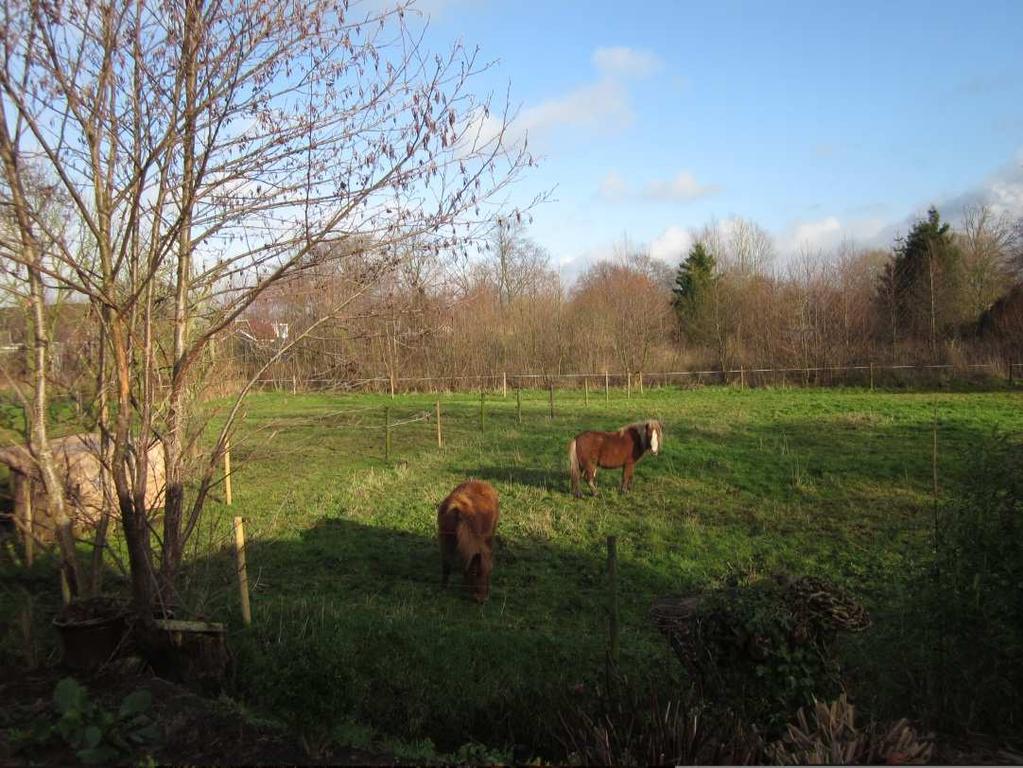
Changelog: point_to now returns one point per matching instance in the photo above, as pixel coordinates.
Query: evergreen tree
(922, 281)
(694, 294)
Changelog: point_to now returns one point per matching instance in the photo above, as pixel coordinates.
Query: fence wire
(635, 377)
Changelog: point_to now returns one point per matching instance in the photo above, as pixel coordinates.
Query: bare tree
(623, 311)
(28, 251)
(210, 151)
(986, 242)
(750, 249)
(521, 267)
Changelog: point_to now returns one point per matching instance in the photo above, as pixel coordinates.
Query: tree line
(938, 294)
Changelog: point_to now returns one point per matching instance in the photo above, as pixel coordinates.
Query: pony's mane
(640, 427)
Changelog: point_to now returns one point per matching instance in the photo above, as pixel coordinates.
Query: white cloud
(625, 62)
(815, 233)
(1005, 195)
(600, 106)
(683, 188)
(671, 245)
(613, 187)
(603, 106)
(1002, 191)
(828, 233)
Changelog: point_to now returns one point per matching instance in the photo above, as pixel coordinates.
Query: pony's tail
(573, 467)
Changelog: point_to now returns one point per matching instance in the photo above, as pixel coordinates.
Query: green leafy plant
(762, 645)
(96, 734)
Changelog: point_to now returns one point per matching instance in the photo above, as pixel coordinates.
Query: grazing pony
(611, 450)
(466, 523)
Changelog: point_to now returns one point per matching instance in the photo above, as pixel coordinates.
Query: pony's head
(654, 436)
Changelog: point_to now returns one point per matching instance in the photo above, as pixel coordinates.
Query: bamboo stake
(504, 384)
(628, 385)
(586, 390)
(243, 574)
(440, 441)
(227, 473)
(641, 382)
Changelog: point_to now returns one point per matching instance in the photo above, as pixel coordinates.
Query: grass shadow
(363, 605)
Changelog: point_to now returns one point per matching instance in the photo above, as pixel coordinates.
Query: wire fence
(868, 374)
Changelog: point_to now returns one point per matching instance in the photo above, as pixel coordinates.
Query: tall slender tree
(695, 294)
(924, 281)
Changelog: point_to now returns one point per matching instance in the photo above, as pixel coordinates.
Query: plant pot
(90, 643)
(189, 651)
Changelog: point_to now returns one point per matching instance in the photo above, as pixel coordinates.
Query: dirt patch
(194, 730)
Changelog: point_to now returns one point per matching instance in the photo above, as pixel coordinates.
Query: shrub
(764, 646)
(827, 735)
(638, 725)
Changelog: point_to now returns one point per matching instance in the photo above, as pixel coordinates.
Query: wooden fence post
(504, 384)
(641, 382)
(518, 403)
(552, 401)
(227, 472)
(742, 378)
(481, 409)
(628, 384)
(440, 441)
(392, 384)
(612, 613)
(387, 433)
(607, 387)
(871, 376)
(243, 574)
(586, 390)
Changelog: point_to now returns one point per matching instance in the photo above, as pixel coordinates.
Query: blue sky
(821, 121)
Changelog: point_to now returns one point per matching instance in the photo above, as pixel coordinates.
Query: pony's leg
(448, 544)
(627, 477)
(486, 567)
(591, 478)
(471, 574)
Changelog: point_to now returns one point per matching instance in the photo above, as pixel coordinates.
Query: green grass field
(344, 565)
(354, 640)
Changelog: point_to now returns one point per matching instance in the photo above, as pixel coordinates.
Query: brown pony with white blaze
(610, 450)
(466, 523)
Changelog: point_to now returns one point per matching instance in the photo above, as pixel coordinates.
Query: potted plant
(91, 631)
